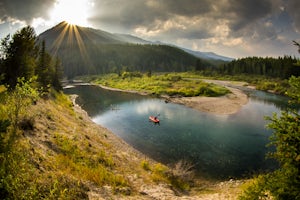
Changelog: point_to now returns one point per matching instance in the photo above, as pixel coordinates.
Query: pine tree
(19, 56)
(44, 68)
(57, 75)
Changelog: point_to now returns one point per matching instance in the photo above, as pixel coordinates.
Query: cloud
(228, 23)
(25, 10)
(293, 7)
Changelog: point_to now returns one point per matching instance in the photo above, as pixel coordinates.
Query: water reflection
(220, 146)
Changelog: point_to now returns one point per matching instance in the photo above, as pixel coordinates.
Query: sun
(72, 11)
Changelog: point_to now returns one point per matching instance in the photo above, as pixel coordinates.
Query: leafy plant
(171, 84)
(283, 183)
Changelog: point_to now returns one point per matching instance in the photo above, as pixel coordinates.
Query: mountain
(88, 51)
(208, 55)
(65, 34)
(131, 39)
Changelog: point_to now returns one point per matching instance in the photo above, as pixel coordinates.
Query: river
(219, 146)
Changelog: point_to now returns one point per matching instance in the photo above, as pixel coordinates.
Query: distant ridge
(208, 55)
(103, 37)
(84, 51)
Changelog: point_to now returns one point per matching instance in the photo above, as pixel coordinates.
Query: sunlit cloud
(227, 23)
(74, 12)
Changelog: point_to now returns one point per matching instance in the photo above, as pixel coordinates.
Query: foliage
(170, 84)
(113, 58)
(281, 67)
(180, 176)
(93, 168)
(16, 105)
(20, 179)
(26, 173)
(15, 172)
(145, 165)
(294, 90)
(21, 56)
(283, 183)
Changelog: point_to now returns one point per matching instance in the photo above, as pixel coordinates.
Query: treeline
(281, 67)
(107, 58)
(24, 56)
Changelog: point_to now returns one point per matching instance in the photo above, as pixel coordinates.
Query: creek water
(219, 146)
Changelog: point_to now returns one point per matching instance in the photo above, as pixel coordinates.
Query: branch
(297, 44)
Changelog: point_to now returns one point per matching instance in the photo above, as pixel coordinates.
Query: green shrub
(145, 165)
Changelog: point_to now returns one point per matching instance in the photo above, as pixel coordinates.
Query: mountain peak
(90, 35)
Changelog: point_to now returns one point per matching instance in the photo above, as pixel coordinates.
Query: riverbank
(144, 187)
(224, 105)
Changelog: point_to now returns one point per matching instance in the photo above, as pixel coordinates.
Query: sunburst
(71, 11)
(69, 32)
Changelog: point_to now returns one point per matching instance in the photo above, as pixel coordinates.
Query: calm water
(220, 146)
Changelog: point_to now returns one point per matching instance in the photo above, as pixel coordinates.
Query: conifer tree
(19, 56)
(44, 68)
(57, 75)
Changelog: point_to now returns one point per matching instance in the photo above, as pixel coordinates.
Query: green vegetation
(272, 67)
(15, 169)
(173, 84)
(96, 53)
(49, 151)
(22, 57)
(180, 176)
(261, 82)
(283, 183)
(23, 166)
(73, 160)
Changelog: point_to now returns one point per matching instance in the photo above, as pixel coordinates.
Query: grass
(2, 88)
(58, 156)
(161, 173)
(172, 84)
(81, 164)
(65, 156)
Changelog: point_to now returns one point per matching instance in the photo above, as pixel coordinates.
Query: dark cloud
(189, 8)
(244, 12)
(154, 14)
(293, 8)
(227, 23)
(25, 10)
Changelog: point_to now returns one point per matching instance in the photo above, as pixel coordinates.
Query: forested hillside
(86, 51)
(282, 67)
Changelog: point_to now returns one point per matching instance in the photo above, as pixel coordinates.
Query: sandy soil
(228, 104)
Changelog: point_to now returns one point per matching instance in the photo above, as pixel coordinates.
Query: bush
(145, 165)
(284, 183)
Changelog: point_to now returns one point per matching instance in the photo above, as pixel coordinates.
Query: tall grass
(162, 84)
(97, 168)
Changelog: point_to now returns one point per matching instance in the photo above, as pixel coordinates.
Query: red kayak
(154, 119)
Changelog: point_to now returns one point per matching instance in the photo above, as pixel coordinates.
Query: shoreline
(218, 189)
(223, 105)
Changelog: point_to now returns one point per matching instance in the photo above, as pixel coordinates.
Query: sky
(232, 28)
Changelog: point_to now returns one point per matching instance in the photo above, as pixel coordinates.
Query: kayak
(154, 119)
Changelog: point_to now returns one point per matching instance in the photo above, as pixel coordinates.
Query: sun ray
(70, 36)
(58, 41)
(81, 46)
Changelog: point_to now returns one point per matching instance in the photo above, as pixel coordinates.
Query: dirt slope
(60, 126)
